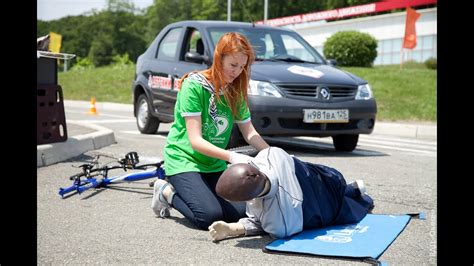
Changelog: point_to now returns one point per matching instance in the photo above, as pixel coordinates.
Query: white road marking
(102, 114)
(426, 147)
(406, 145)
(110, 121)
(400, 144)
(386, 142)
(393, 138)
(136, 132)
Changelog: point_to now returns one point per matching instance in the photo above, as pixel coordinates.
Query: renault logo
(323, 93)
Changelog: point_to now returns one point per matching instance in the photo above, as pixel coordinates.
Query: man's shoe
(371, 208)
(159, 204)
(359, 186)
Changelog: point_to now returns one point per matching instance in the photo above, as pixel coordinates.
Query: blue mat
(366, 240)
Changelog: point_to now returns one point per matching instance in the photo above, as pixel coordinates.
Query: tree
(123, 28)
(101, 51)
(164, 12)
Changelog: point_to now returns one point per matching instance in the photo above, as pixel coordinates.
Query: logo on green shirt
(222, 125)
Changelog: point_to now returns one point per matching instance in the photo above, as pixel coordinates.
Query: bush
(431, 63)
(351, 48)
(82, 63)
(120, 61)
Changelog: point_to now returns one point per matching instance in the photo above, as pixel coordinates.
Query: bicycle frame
(91, 182)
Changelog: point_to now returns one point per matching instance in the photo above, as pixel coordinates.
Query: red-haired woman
(208, 103)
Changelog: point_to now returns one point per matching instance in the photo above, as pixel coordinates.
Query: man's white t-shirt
(279, 212)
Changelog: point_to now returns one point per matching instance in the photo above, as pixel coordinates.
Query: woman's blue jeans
(197, 200)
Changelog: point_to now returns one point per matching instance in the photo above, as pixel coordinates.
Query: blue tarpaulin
(368, 238)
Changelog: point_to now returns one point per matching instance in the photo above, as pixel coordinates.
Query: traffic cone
(92, 110)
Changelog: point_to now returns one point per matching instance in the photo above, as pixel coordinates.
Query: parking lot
(116, 225)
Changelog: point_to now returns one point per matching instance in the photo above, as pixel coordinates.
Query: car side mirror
(196, 57)
(332, 62)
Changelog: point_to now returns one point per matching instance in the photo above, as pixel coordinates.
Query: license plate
(326, 116)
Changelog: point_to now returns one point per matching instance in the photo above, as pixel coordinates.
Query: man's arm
(220, 230)
(245, 226)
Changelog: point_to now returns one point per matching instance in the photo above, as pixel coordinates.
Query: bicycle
(92, 170)
(129, 162)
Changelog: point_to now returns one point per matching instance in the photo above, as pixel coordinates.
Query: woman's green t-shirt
(193, 99)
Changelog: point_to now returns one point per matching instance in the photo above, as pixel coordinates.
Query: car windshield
(273, 45)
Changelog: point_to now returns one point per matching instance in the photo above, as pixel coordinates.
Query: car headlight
(364, 92)
(263, 88)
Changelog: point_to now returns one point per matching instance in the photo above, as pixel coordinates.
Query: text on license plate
(326, 116)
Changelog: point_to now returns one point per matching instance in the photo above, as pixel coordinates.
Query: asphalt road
(117, 226)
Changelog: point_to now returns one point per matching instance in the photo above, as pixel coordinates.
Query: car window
(273, 44)
(169, 46)
(270, 47)
(295, 48)
(216, 34)
(195, 43)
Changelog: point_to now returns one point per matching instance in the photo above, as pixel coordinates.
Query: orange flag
(409, 41)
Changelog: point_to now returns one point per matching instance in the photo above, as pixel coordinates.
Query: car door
(162, 69)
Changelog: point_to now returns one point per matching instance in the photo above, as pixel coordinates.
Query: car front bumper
(284, 117)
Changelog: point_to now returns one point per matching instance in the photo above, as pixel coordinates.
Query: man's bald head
(240, 182)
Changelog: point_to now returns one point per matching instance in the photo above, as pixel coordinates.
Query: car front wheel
(345, 142)
(146, 122)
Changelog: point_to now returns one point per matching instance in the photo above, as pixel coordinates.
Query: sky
(56, 9)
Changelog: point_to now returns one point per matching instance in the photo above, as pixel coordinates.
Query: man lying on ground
(285, 196)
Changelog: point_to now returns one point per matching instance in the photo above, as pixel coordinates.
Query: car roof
(222, 23)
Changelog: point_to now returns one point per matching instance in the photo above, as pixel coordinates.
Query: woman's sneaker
(159, 204)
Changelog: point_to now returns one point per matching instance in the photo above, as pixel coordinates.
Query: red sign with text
(346, 12)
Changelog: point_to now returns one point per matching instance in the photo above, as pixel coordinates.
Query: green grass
(106, 84)
(407, 94)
